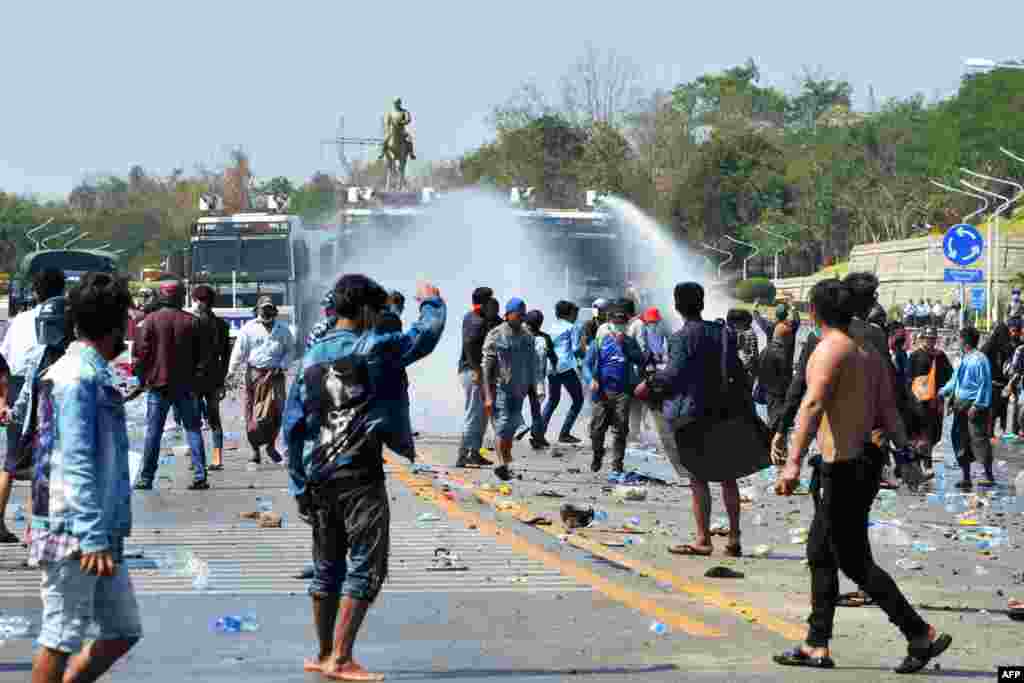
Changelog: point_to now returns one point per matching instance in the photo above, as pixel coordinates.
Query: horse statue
(397, 148)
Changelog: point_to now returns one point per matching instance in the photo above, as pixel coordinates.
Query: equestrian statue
(397, 148)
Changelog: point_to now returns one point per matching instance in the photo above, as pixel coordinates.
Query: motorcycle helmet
(51, 323)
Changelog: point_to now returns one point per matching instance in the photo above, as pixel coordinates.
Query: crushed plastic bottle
(19, 513)
(624, 493)
(201, 580)
(920, 547)
(12, 628)
(758, 520)
(887, 534)
(228, 625)
(762, 550)
(428, 517)
(980, 571)
(908, 564)
(798, 535)
(264, 504)
(600, 516)
(658, 628)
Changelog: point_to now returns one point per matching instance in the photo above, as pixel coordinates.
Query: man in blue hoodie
(338, 417)
(565, 334)
(611, 368)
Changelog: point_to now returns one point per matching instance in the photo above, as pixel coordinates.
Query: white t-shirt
(19, 340)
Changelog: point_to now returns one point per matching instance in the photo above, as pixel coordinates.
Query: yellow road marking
(708, 594)
(424, 488)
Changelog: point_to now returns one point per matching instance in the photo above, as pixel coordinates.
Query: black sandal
(918, 657)
(215, 468)
(855, 599)
(797, 657)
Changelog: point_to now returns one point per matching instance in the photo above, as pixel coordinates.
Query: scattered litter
(613, 543)
(428, 517)
(19, 513)
(236, 624)
(538, 520)
(255, 516)
(446, 561)
(748, 494)
(980, 571)
(271, 520)
(798, 535)
(762, 550)
(503, 505)
(600, 516)
(550, 493)
(908, 564)
(758, 520)
(919, 547)
(658, 628)
(723, 573)
(720, 526)
(264, 504)
(12, 628)
(505, 490)
(421, 468)
(575, 517)
(624, 493)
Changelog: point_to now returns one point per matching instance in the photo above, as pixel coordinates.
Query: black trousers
(838, 540)
(612, 411)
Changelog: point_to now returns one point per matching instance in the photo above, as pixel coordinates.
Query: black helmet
(51, 323)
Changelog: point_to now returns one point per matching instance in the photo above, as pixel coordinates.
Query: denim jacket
(634, 358)
(692, 382)
(324, 406)
(81, 494)
(566, 338)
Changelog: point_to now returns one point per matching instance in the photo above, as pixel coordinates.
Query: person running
(971, 389)
(610, 367)
(18, 345)
(928, 371)
(544, 349)
(263, 350)
(509, 376)
(693, 388)
(81, 507)
(166, 355)
(565, 336)
(849, 393)
(474, 423)
(212, 368)
(335, 428)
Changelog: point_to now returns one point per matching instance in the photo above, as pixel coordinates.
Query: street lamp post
(1006, 203)
(966, 219)
(720, 265)
(777, 251)
(752, 255)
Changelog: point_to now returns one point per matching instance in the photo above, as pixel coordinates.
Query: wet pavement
(537, 603)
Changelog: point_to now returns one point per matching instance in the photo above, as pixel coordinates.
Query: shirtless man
(849, 374)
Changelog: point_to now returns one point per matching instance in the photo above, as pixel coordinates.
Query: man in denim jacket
(81, 495)
(339, 414)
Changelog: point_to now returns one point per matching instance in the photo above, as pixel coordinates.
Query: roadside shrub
(755, 289)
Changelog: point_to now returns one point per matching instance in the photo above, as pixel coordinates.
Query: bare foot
(349, 671)
(315, 665)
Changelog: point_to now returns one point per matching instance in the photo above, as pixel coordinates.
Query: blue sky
(96, 87)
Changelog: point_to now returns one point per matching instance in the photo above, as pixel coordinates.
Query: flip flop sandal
(1016, 613)
(445, 561)
(215, 468)
(688, 549)
(918, 658)
(8, 537)
(854, 600)
(796, 657)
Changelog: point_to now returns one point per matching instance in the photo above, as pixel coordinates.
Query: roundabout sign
(963, 244)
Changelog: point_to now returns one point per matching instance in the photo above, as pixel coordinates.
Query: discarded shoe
(574, 517)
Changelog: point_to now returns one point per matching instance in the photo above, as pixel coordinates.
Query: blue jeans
(158, 403)
(473, 417)
(571, 381)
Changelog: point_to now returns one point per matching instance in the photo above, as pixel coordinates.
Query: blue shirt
(972, 380)
(566, 338)
(81, 495)
(335, 403)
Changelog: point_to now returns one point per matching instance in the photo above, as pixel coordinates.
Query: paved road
(534, 605)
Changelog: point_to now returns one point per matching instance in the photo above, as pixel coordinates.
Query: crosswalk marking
(246, 560)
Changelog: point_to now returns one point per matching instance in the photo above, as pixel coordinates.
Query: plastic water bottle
(264, 504)
(249, 624)
(228, 625)
(658, 628)
(19, 513)
(600, 516)
(14, 627)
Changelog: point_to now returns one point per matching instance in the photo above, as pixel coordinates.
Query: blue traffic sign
(963, 275)
(963, 244)
(978, 298)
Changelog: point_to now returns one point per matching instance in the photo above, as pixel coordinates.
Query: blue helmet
(51, 323)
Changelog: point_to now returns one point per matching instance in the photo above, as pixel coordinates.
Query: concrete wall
(915, 269)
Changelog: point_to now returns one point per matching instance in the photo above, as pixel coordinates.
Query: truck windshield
(215, 256)
(266, 255)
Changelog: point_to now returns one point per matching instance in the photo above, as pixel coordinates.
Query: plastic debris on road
(658, 628)
(908, 564)
(264, 504)
(421, 468)
(882, 533)
(762, 550)
(428, 517)
(980, 571)
(919, 547)
(575, 517)
(635, 493)
(236, 624)
(758, 520)
(798, 535)
(13, 628)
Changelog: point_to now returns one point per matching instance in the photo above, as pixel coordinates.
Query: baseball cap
(265, 301)
(652, 315)
(515, 305)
